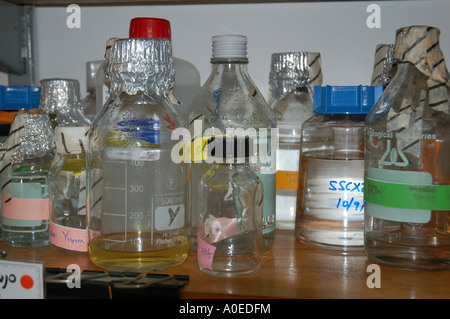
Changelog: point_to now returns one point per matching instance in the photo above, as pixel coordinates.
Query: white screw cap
(229, 46)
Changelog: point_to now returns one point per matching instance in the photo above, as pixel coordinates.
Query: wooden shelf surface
(290, 270)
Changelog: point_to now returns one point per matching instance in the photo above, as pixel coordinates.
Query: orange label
(287, 180)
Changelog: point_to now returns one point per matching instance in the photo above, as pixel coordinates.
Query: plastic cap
(15, 98)
(229, 46)
(150, 28)
(345, 99)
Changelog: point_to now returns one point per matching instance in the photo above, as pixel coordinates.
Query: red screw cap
(150, 28)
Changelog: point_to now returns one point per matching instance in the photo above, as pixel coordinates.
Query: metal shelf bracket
(16, 56)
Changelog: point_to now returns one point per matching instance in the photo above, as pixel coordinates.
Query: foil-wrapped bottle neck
(60, 99)
(58, 94)
(31, 136)
(141, 65)
(292, 70)
(382, 67)
(419, 45)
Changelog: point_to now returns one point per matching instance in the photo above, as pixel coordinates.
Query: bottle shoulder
(232, 106)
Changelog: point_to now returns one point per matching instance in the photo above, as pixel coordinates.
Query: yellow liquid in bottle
(114, 253)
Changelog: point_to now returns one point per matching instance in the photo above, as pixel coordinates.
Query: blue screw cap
(14, 98)
(346, 99)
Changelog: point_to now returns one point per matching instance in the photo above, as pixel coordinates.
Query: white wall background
(338, 30)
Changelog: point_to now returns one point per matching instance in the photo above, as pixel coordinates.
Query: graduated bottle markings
(137, 193)
(142, 215)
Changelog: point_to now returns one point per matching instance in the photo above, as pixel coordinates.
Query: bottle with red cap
(187, 77)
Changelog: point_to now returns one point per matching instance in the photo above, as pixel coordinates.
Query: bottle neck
(229, 64)
(229, 70)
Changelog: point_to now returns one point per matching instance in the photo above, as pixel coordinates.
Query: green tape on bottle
(407, 196)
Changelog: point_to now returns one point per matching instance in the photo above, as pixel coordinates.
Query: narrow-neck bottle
(407, 176)
(24, 170)
(229, 100)
(293, 76)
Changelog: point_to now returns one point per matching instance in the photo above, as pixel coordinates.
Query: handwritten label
(350, 204)
(73, 239)
(21, 280)
(336, 198)
(353, 204)
(205, 253)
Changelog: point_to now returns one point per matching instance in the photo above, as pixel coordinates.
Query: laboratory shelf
(290, 270)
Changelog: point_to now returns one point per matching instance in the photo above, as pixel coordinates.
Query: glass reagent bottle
(330, 211)
(293, 76)
(229, 99)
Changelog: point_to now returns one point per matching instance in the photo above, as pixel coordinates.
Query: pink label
(68, 238)
(205, 253)
(25, 208)
(222, 228)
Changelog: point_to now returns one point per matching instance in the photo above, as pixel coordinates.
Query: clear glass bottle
(24, 175)
(90, 100)
(330, 210)
(292, 78)
(187, 77)
(230, 100)
(407, 176)
(229, 239)
(60, 100)
(383, 67)
(137, 192)
(67, 191)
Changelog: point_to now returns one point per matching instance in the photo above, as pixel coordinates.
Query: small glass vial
(60, 100)
(229, 239)
(293, 76)
(67, 190)
(30, 149)
(330, 209)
